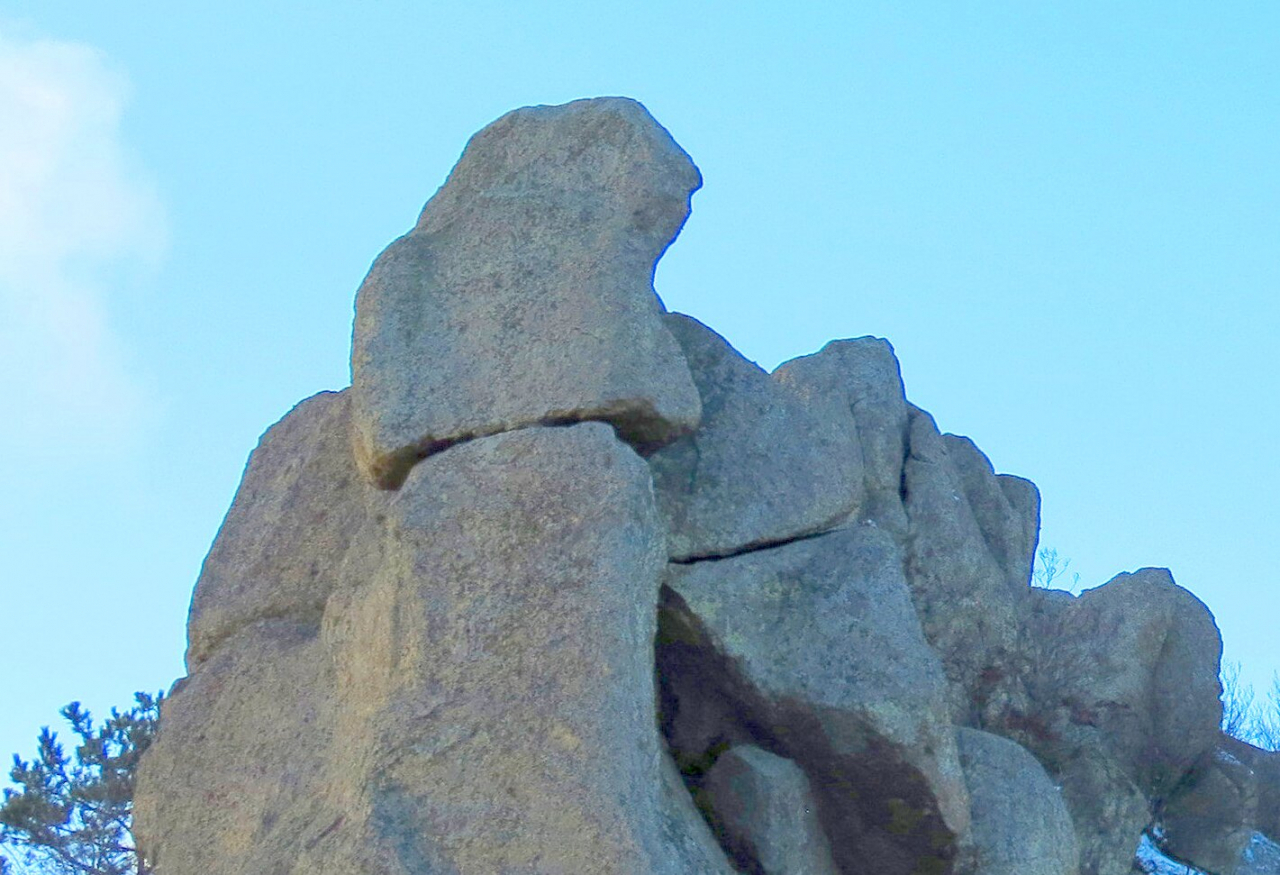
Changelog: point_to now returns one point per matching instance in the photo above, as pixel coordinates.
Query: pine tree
(74, 815)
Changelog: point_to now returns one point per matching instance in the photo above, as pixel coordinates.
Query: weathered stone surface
(968, 606)
(766, 465)
(1123, 702)
(1132, 667)
(479, 699)
(969, 535)
(458, 677)
(524, 294)
(1265, 765)
(1209, 818)
(1024, 501)
(1010, 527)
(813, 651)
(300, 507)
(497, 674)
(236, 780)
(766, 812)
(864, 373)
(1224, 816)
(1020, 823)
(1109, 811)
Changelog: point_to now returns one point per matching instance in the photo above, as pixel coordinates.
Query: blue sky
(1066, 217)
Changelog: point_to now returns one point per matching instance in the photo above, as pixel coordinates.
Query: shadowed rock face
(524, 295)
(766, 814)
(813, 651)
(565, 585)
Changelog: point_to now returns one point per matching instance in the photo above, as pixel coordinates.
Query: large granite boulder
(1211, 815)
(480, 698)
(524, 294)
(767, 464)
(1131, 667)
(456, 622)
(1265, 766)
(1020, 823)
(813, 651)
(765, 812)
(1123, 702)
(1223, 816)
(497, 673)
(299, 515)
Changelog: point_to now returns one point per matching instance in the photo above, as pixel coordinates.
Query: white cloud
(73, 211)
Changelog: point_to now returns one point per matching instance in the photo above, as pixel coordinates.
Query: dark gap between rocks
(755, 547)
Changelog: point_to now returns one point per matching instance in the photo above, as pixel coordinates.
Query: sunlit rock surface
(565, 585)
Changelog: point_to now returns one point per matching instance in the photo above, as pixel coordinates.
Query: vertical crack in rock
(863, 375)
(969, 612)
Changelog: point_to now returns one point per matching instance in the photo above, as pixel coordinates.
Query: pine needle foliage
(73, 814)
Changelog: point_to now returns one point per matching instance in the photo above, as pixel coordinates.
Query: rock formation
(564, 585)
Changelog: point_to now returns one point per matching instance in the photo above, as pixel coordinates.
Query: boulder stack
(565, 585)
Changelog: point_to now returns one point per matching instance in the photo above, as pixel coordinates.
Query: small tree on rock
(74, 815)
(1049, 567)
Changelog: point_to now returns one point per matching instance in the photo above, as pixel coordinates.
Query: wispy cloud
(74, 211)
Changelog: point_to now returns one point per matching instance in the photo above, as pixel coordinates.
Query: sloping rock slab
(497, 675)
(766, 465)
(524, 295)
(813, 652)
(1020, 823)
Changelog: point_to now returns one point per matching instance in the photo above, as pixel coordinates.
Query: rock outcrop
(564, 584)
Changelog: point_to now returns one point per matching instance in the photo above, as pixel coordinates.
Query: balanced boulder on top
(524, 295)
